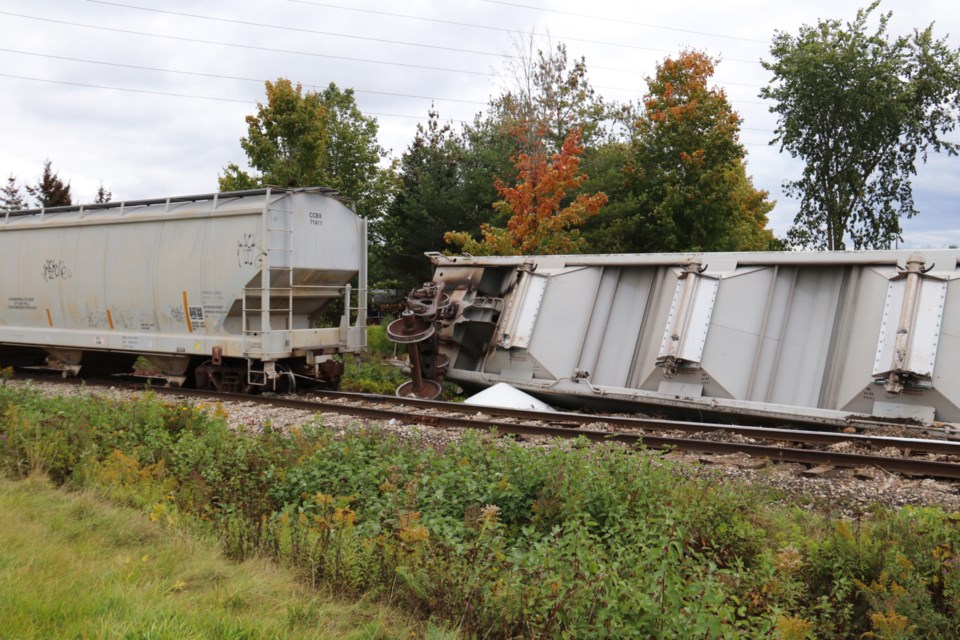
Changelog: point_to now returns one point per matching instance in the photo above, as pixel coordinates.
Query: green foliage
(684, 177)
(371, 374)
(377, 341)
(858, 108)
(430, 199)
(311, 139)
(501, 539)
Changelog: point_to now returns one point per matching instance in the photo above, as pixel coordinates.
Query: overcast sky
(150, 97)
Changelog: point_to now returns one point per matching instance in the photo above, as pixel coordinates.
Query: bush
(503, 540)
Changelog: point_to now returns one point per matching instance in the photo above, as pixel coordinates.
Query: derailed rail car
(820, 337)
(224, 290)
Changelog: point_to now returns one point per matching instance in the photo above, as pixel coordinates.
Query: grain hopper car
(829, 338)
(225, 290)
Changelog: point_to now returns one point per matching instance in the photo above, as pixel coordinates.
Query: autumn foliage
(537, 220)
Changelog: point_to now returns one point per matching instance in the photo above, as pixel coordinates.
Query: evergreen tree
(103, 194)
(11, 198)
(50, 191)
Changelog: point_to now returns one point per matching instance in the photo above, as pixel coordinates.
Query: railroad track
(775, 444)
(632, 431)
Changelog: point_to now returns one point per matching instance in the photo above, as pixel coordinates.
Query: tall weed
(501, 540)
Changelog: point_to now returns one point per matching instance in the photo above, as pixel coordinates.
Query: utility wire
(222, 77)
(621, 45)
(185, 95)
(260, 80)
(622, 21)
(336, 35)
(268, 49)
(297, 29)
(248, 46)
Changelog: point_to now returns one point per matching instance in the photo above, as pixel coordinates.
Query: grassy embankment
(503, 541)
(72, 566)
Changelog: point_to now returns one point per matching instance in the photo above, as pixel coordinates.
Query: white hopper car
(224, 290)
(831, 338)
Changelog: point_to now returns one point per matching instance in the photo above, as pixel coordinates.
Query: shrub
(503, 540)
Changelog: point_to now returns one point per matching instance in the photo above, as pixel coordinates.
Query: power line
(296, 29)
(248, 46)
(334, 34)
(260, 80)
(492, 28)
(146, 91)
(268, 49)
(622, 21)
(223, 77)
(184, 95)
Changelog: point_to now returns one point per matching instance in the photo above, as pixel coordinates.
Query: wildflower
(788, 560)
(490, 514)
(345, 516)
(414, 534)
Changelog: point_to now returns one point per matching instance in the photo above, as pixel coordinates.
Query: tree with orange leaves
(537, 220)
(686, 172)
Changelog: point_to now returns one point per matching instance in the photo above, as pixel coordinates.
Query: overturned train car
(224, 290)
(832, 338)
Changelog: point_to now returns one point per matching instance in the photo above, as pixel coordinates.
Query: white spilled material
(504, 396)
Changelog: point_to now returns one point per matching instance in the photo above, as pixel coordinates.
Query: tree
(430, 199)
(538, 222)
(858, 108)
(685, 179)
(302, 139)
(548, 99)
(104, 194)
(533, 138)
(50, 190)
(11, 198)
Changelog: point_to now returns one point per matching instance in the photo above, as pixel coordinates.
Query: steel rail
(906, 465)
(918, 445)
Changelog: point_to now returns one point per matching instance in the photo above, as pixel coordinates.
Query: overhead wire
(260, 80)
(267, 49)
(254, 47)
(264, 25)
(246, 46)
(185, 95)
(334, 34)
(225, 77)
(270, 49)
(620, 20)
(470, 25)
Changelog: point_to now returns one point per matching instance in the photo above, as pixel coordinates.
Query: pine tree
(11, 198)
(104, 194)
(50, 190)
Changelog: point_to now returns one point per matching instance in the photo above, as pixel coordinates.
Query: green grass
(72, 566)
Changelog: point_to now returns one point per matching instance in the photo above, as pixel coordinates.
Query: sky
(150, 97)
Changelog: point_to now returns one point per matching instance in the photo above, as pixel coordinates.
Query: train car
(833, 338)
(223, 290)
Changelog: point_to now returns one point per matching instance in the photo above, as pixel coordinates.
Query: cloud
(143, 144)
